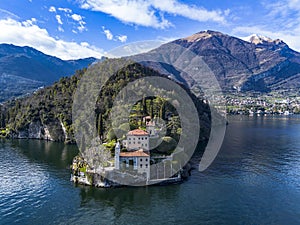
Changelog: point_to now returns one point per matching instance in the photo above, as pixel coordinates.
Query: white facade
(137, 142)
(137, 158)
(143, 165)
(137, 139)
(137, 161)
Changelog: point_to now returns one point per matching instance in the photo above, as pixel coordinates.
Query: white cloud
(29, 23)
(294, 4)
(108, 33)
(52, 9)
(58, 18)
(69, 14)
(66, 10)
(27, 33)
(110, 36)
(122, 38)
(281, 21)
(60, 29)
(76, 17)
(227, 12)
(84, 44)
(151, 13)
(6, 14)
(81, 24)
(283, 7)
(191, 12)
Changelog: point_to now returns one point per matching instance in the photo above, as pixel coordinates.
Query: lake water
(254, 180)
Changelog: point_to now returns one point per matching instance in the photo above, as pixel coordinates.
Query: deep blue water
(254, 180)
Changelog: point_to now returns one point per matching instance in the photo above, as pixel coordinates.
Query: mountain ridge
(29, 63)
(240, 65)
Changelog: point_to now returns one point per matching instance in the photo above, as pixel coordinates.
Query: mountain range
(256, 65)
(24, 69)
(259, 64)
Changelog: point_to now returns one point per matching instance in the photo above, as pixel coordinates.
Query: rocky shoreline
(36, 130)
(83, 175)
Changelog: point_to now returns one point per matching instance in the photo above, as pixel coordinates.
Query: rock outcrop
(54, 131)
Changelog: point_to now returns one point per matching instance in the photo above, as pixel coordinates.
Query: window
(142, 138)
(141, 165)
(146, 145)
(134, 139)
(146, 165)
(129, 139)
(139, 138)
(146, 160)
(130, 142)
(145, 138)
(134, 142)
(142, 145)
(141, 160)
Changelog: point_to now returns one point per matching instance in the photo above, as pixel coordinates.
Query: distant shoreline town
(263, 104)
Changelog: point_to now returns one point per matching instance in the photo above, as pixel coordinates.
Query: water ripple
(254, 180)
(23, 184)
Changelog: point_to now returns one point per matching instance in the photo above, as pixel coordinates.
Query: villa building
(135, 160)
(137, 157)
(137, 139)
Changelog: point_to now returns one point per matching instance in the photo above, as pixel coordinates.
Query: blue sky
(82, 28)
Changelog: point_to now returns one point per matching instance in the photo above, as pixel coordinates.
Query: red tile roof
(137, 132)
(138, 153)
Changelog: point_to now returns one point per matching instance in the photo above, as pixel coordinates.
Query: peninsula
(134, 159)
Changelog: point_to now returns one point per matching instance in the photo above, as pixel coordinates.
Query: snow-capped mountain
(258, 64)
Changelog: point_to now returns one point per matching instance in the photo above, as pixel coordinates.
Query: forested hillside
(25, 69)
(47, 114)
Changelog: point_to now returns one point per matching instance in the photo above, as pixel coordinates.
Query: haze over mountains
(24, 69)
